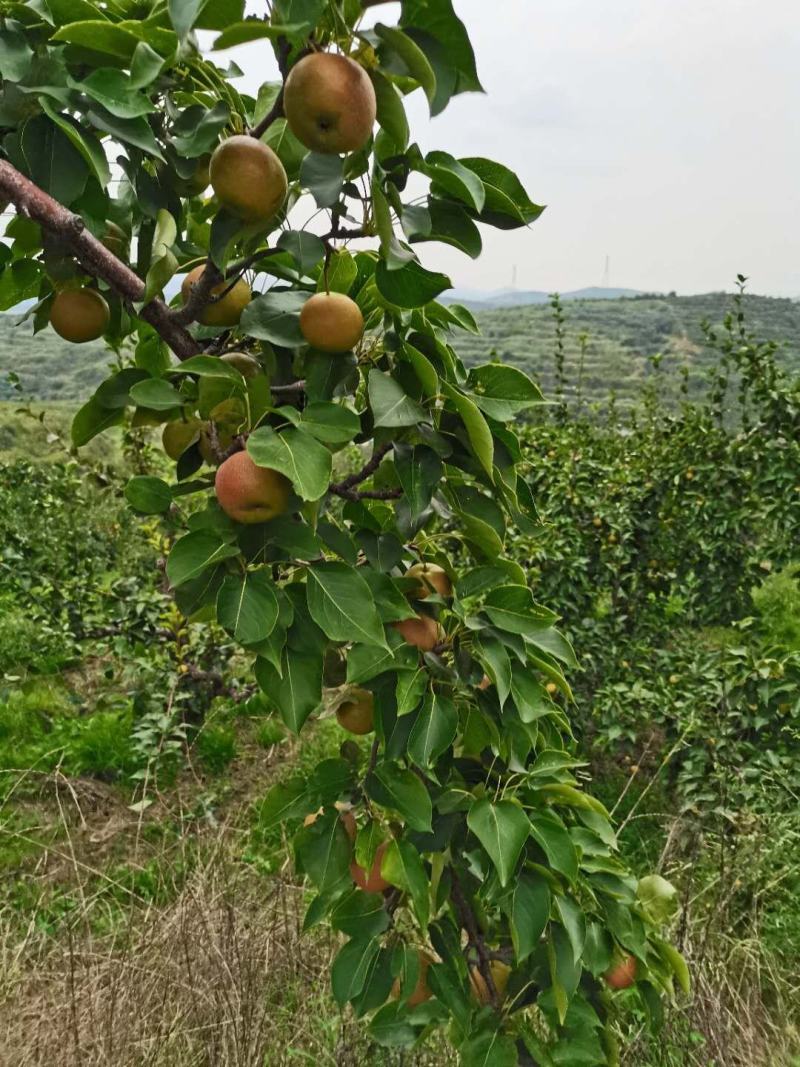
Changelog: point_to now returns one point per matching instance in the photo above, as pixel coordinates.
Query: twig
(345, 487)
(36, 204)
(292, 387)
(467, 920)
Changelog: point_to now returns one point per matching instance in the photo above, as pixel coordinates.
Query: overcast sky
(664, 134)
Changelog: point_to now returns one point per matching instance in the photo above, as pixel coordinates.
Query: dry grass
(220, 977)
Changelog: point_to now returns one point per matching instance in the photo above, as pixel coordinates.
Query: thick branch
(32, 201)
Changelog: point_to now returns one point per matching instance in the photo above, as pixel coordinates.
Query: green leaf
(424, 370)
(49, 159)
(675, 960)
(15, 52)
(658, 897)
(286, 800)
(433, 731)
(135, 132)
(390, 404)
(99, 35)
(83, 141)
(342, 272)
(254, 30)
(247, 607)
(208, 367)
(502, 391)
(19, 281)
(306, 249)
(480, 436)
(410, 287)
(556, 843)
(155, 393)
(493, 657)
(112, 89)
(297, 455)
(390, 1027)
(275, 317)
(323, 176)
(402, 866)
(360, 914)
(419, 471)
(340, 603)
(412, 56)
(512, 608)
(507, 205)
(502, 829)
(297, 690)
(194, 553)
(441, 22)
(451, 225)
(147, 494)
(456, 179)
(351, 967)
(197, 130)
(145, 65)
(331, 423)
(91, 420)
(530, 912)
(393, 787)
(324, 850)
(391, 112)
(488, 1048)
(183, 14)
(574, 922)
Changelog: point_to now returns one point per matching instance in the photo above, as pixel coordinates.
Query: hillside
(621, 335)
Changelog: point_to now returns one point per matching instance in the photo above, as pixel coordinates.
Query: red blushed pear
(623, 974)
(372, 881)
(423, 632)
(330, 103)
(248, 493)
(421, 991)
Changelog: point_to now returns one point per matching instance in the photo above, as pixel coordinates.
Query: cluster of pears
(330, 106)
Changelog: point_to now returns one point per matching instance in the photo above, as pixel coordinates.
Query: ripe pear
(249, 493)
(423, 632)
(357, 715)
(623, 974)
(500, 973)
(331, 322)
(430, 576)
(247, 366)
(228, 310)
(329, 103)
(178, 435)
(79, 315)
(248, 178)
(421, 991)
(372, 882)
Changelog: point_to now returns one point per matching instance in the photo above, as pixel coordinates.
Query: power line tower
(607, 273)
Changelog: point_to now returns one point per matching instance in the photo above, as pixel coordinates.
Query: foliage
(470, 805)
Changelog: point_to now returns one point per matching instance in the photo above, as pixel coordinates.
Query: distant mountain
(479, 300)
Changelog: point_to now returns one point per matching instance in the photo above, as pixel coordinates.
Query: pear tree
(342, 486)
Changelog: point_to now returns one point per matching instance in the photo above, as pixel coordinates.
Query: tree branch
(36, 204)
(467, 920)
(345, 487)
